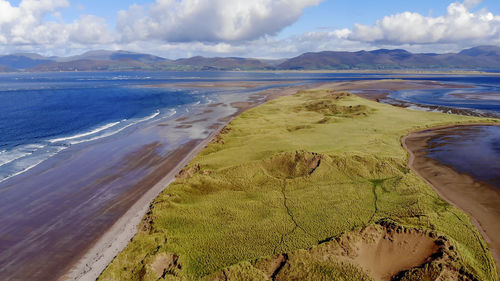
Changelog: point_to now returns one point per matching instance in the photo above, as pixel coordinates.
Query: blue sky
(258, 28)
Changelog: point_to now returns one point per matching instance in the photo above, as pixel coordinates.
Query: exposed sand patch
(386, 253)
(379, 252)
(164, 264)
(183, 126)
(292, 165)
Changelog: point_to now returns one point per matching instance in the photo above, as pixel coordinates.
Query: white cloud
(183, 28)
(89, 29)
(208, 21)
(25, 25)
(459, 26)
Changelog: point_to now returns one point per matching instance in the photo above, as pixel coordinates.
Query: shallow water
(474, 150)
(483, 96)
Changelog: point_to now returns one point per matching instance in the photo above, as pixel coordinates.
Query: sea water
(473, 150)
(41, 115)
(480, 94)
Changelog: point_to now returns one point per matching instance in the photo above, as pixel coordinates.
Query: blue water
(43, 114)
(473, 150)
(484, 97)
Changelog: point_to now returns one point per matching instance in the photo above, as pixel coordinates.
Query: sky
(245, 28)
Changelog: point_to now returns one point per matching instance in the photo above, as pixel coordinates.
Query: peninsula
(312, 186)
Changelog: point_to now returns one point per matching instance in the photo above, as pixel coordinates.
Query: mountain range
(483, 57)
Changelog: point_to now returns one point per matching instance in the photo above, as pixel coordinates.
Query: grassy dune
(292, 174)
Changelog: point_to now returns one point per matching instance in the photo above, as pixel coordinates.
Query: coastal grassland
(294, 174)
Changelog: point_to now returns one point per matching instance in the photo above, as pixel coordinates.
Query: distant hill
(474, 58)
(4, 68)
(91, 65)
(230, 63)
(103, 55)
(22, 61)
(482, 57)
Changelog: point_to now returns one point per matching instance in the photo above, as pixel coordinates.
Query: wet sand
(90, 265)
(481, 201)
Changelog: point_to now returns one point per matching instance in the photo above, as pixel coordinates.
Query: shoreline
(90, 266)
(95, 260)
(458, 189)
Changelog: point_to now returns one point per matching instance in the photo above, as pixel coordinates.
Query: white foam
(170, 114)
(24, 158)
(7, 157)
(11, 157)
(36, 162)
(100, 129)
(152, 116)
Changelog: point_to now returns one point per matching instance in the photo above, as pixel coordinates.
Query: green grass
(288, 174)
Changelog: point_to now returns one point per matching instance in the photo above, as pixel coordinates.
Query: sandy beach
(479, 200)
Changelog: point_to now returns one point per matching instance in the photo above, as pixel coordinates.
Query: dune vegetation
(313, 186)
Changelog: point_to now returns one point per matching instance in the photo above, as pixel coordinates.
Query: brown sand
(205, 112)
(479, 200)
(385, 254)
(382, 250)
(216, 104)
(194, 121)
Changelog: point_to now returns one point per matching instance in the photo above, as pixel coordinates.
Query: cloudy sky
(248, 28)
